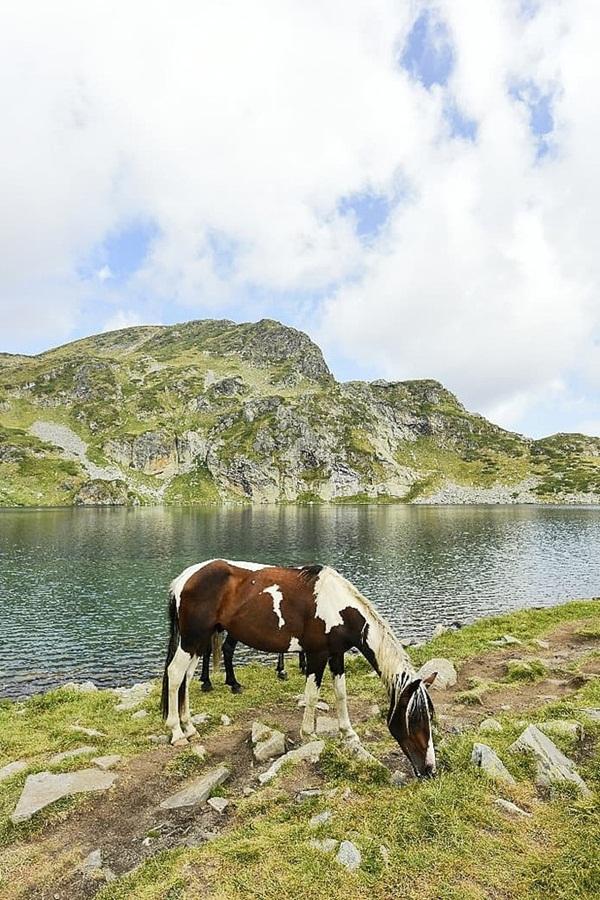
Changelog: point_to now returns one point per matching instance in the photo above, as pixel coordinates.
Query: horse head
(409, 720)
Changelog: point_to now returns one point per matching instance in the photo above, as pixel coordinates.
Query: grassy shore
(440, 839)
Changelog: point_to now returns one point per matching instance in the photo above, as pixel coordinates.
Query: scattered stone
(12, 768)
(320, 819)
(92, 863)
(225, 720)
(592, 713)
(132, 696)
(218, 803)
(260, 732)
(140, 714)
(68, 754)
(349, 856)
(326, 845)
(552, 764)
(44, 788)
(446, 673)
(107, 762)
(89, 732)
(562, 728)
(84, 687)
(384, 853)
(310, 752)
(272, 746)
(327, 727)
(198, 791)
(247, 791)
(505, 641)
(485, 758)
(439, 630)
(511, 809)
(307, 794)
(158, 738)
(543, 645)
(321, 705)
(200, 718)
(488, 726)
(398, 778)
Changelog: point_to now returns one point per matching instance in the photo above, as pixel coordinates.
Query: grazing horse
(278, 610)
(227, 650)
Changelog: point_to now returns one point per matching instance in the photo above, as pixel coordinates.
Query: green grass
(525, 670)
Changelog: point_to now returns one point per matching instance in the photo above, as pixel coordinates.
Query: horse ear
(410, 689)
(430, 679)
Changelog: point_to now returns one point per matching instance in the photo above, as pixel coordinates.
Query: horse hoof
(283, 676)
(236, 688)
(206, 687)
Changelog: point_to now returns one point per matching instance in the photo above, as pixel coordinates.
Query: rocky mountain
(212, 411)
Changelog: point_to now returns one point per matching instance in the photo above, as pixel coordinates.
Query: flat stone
(562, 728)
(68, 754)
(89, 732)
(327, 727)
(320, 819)
(107, 762)
(12, 768)
(485, 758)
(511, 809)
(260, 732)
(131, 697)
(218, 803)
(140, 714)
(349, 856)
(200, 718)
(198, 791)
(44, 788)
(84, 687)
(446, 673)
(326, 845)
(225, 720)
(552, 764)
(488, 726)
(307, 794)
(91, 863)
(310, 752)
(273, 745)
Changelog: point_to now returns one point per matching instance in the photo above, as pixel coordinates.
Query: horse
(283, 609)
(226, 650)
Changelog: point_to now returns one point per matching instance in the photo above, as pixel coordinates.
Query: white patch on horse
(178, 584)
(294, 646)
(331, 597)
(277, 598)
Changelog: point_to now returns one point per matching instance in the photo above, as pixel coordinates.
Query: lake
(83, 591)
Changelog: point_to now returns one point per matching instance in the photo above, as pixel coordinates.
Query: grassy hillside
(210, 411)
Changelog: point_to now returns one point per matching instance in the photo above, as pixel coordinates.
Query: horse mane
(390, 654)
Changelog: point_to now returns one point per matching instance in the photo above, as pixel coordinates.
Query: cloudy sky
(416, 184)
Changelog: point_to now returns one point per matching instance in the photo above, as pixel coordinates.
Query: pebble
(218, 803)
(349, 856)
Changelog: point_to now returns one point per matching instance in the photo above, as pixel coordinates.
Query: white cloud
(124, 318)
(251, 121)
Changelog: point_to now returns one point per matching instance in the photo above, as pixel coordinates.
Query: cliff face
(210, 411)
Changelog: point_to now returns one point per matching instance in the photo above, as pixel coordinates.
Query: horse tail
(217, 644)
(174, 638)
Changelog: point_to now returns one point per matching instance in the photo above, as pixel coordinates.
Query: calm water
(83, 592)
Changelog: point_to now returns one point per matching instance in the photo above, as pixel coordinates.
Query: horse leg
(336, 665)
(315, 666)
(176, 672)
(302, 662)
(229, 646)
(186, 719)
(281, 673)
(205, 673)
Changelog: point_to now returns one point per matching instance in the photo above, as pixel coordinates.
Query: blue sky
(414, 187)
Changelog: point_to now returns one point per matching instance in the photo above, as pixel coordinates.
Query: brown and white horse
(276, 609)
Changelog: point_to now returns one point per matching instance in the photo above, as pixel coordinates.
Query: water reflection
(83, 591)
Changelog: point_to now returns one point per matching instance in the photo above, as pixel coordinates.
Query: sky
(415, 184)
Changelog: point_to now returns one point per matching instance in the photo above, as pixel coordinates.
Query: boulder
(552, 764)
(198, 791)
(349, 856)
(489, 761)
(511, 809)
(488, 726)
(446, 673)
(68, 754)
(44, 788)
(310, 752)
(307, 794)
(12, 768)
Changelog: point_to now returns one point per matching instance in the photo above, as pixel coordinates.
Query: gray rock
(12, 768)
(92, 863)
(68, 754)
(349, 856)
(326, 845)
(511, 809)
(320, 819)
(327, 727)
(225, 720)
(198, 791)
(200, 718)
(260, 732)
(44, 788)
(130, 697)
(84, 687)
(307, 794)
(488, 726)
(89, 732)
(485, 758)
(140, 714)
(552, 764)
(158, 738)
(562, 728)
(310, 752)
(505, 641)
(107, 762)
(273, 745)
(218, 803)
(446, 673)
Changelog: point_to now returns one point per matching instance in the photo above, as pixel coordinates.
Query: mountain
(213, 411)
